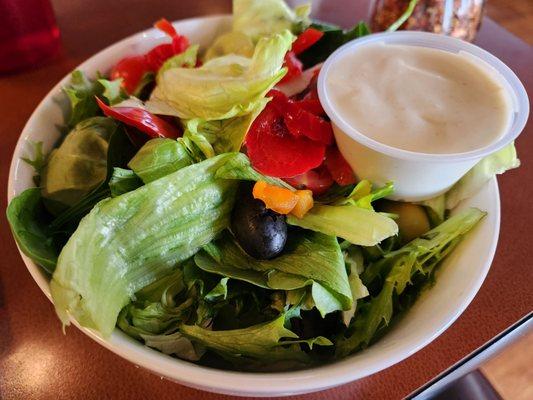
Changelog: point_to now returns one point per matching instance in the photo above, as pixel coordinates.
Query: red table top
(37, 361)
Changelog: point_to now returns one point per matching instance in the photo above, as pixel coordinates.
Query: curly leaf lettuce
(128, 242)
(397, 269)
(224, 87)
(261, 342)
(310, 260)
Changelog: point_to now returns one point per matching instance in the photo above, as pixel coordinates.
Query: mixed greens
(201, 205)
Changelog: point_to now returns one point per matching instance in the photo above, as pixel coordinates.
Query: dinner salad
(198, 202)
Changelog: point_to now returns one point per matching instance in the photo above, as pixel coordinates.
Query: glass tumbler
(28, 34)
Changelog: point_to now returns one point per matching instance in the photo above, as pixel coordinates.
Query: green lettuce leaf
(187, 59)
(119, 152)
(79, 164)
(160, 157)
(333, 38)
(220, 291)
(240, 168)
(364, 194)
(257, 18)
(37, 160)
(261, 342)
(222, 136)
(113, 91)
(123, 181)
(27, 218)
(128, 242)
(224, 87)
(418, 258)
(353, 256)
(352, 223)
(472, 182)
(481, 173)
(175, 344)
(309, 259)
(236, 43)
(81, 93)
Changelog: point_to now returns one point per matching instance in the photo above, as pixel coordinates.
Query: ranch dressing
(419, 99)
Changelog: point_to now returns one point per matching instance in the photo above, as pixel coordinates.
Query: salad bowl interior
(458, 279)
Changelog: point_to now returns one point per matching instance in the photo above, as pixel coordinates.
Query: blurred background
(30, 33)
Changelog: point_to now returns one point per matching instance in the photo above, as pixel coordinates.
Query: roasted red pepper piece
(164, 25)
(317, 180)
(131, 70)
(306, 39)
(143, 120)
(338, 167)
(300, 121)
(294, 67)
(273, 151)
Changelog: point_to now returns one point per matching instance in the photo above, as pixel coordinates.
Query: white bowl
(420, 176)
(458, 280)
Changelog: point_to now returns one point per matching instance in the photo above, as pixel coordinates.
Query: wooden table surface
(37, 361)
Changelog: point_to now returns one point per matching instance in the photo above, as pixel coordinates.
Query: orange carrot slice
(305, 203)
(276, 198)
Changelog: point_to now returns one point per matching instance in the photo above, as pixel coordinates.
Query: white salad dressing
(419, 99)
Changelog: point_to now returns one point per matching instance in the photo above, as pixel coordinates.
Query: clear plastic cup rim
(502, 72)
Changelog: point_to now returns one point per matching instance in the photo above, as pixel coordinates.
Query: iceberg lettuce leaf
(481, 173)
(257, 18)
(123, 181)
(160, 157)
(350, 222)
(128, 242)
(224, 87)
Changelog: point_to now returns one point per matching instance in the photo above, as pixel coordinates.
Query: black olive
(262, 233)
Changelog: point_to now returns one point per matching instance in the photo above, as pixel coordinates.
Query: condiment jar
(457, 18)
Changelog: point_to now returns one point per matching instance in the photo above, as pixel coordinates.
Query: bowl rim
(225, 381)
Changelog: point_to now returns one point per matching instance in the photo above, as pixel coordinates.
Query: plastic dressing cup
(418, 176)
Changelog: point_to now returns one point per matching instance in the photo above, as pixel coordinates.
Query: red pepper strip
(317, 180)
(294, 67)
(165, 26)
(131, 70)
(301, 122)
(159, 54)
(306, 39)
(143, 120)
(274, 151)
(338, 167)
(312, 105)
(180, 43)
